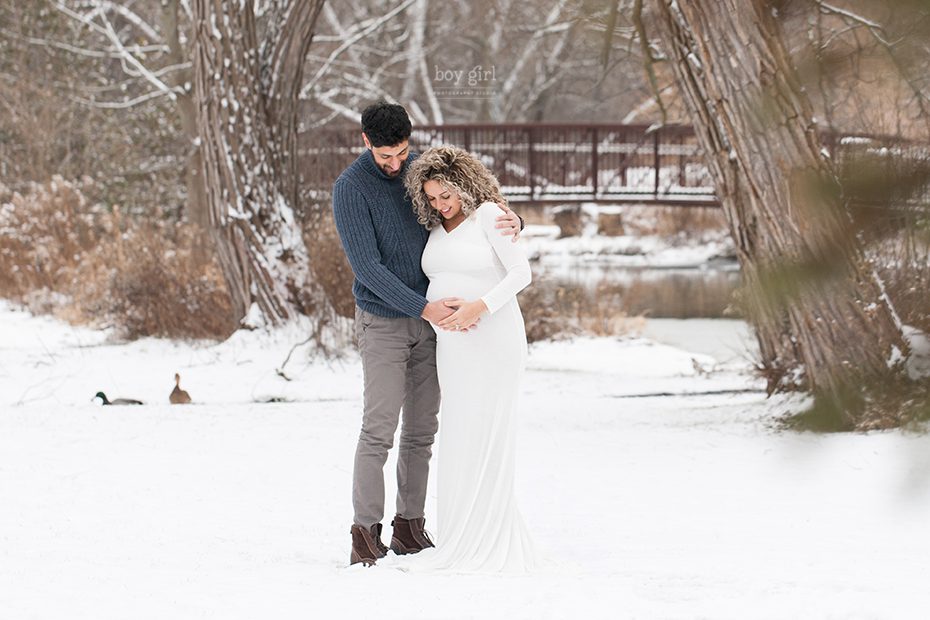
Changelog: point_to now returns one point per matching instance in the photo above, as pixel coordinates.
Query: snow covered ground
(683, 506)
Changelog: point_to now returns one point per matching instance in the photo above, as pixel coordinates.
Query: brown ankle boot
(367, 547)
(409, 536)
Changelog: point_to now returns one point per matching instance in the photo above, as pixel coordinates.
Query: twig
(115, 105)
(280, 370)
(706, 393)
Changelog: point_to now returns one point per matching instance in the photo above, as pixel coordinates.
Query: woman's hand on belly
(466, 315)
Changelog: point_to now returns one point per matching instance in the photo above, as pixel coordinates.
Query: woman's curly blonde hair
(458, 171)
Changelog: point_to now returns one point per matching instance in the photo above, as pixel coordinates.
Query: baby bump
(497, 344)
(468, 289)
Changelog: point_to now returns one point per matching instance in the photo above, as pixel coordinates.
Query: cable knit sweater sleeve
(511, 255)
(357, 232)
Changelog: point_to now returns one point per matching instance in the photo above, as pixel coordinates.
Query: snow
(254, 318)
(625, 251)
(727, 341)
(632, 250)
(918, 363)
(855, 140)
(693, 59)
(237, 507)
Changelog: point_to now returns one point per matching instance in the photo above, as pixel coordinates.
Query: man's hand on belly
(436, 311)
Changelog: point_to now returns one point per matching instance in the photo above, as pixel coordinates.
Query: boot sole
(400, 549)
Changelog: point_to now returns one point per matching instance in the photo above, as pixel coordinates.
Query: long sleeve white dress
(480, 529)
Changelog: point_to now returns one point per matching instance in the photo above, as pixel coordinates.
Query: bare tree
(820, 312)
(356, 60)
(148, 46)
(74, 110)
(535, 61)
(247, 81)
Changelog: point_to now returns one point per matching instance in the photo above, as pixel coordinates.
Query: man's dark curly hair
(385, 124)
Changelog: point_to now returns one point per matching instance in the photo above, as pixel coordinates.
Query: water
(680, 293)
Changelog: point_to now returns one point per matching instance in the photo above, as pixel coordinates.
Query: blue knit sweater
(381, 238)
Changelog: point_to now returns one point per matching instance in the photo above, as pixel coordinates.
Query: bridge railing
(541, 163)
(560, 163)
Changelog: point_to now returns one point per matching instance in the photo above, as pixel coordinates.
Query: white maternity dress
(480, 529)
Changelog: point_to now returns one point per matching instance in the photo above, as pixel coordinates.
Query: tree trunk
(819, 311)
(196, 207)
(246, 92)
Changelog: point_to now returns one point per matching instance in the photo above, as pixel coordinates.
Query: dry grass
(552, 311)
(63, 254)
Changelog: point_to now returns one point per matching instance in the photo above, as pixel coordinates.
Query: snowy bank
(647, 506)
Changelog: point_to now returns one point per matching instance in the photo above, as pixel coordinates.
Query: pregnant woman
(480, 358)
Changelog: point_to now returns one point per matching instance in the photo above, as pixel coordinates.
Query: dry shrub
(330, 266)
(610, 223)
(905, 273)
(63, 254)
(152, 285)
(553, 311)
(910, 291)
(569, 219)
(44, 235)
(675, 222)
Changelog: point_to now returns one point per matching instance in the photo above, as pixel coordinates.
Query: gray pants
(399, 364)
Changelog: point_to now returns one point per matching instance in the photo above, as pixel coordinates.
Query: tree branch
(349, 41)
(648, 59)
(117, 105)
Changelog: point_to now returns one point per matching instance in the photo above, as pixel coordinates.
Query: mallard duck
(117, 401)
(179, 396)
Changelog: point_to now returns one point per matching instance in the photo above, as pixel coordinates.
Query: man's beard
(388, 172)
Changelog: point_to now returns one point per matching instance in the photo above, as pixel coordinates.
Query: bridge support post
(530, 172)
(594, 163)
(655, 161)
